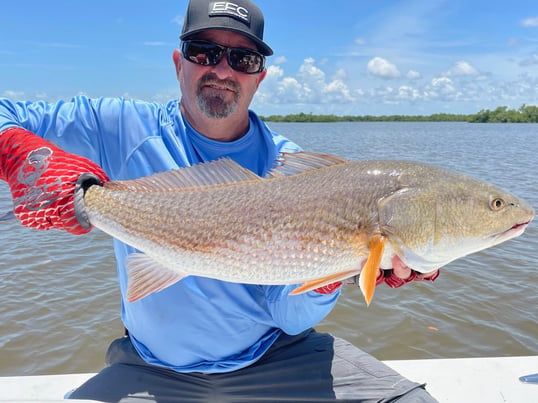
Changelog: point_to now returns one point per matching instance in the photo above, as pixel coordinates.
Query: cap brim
(263, 48)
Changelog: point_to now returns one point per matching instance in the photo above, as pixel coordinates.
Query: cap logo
(227, 8)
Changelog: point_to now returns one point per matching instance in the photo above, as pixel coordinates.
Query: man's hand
(42, 179)
(402, 274)
(399, 275)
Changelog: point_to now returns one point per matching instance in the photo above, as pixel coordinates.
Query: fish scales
(295, 223)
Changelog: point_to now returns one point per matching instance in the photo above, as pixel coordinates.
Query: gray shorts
(309, 367)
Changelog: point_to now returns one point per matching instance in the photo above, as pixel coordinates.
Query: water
(59, 300)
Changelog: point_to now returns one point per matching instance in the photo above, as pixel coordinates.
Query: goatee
(214, 105)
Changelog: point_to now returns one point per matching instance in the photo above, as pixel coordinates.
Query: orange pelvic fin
(320, 282)
(370, 270)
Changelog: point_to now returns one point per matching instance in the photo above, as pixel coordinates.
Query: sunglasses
(205, 53)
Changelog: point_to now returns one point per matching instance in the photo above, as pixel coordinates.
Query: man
(200, 340)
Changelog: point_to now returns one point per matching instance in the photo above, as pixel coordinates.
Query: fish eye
(497, 204)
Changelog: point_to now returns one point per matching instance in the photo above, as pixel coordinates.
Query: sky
(343, 57)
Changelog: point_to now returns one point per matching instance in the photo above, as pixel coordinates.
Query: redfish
(315, 219)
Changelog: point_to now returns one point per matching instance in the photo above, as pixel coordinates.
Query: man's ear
(261, 77)
(176, 57)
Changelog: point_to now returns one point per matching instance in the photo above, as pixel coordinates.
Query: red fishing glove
(330, 288)
(42, 179)
(394, 281)
(386, 276)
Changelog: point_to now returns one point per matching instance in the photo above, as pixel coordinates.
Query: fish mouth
(514, 231)
(522, 225)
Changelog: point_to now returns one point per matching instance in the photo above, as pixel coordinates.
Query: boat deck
(458, 380)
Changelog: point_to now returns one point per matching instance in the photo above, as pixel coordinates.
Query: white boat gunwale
(449, 380)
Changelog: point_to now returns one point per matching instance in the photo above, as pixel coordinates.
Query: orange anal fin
(320, 282)
(370, 270)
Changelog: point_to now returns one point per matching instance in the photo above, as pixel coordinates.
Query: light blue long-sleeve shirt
(197, 324)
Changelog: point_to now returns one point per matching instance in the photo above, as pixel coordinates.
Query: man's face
(218, 91)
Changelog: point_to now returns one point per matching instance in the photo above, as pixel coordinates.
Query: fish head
(438, 216)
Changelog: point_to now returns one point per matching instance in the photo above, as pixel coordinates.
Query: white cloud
(530, 22)
(309, 86)
(413, 75)
(310, 73)
(280, 60)
(462, 68)
(360, 41)
(274, 72)
(312, 86)
(408, 93)
(14, 95)
(382, 68)
(279, 89)
(336, 92)
(443, 83)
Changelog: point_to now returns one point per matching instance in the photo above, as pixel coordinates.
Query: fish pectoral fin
(146, 276)
(370, 270)
(320, 282)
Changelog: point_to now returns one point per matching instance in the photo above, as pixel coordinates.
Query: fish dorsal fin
(214, 173)
(296, 163)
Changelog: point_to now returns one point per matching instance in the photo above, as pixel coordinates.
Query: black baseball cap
(241, 16)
